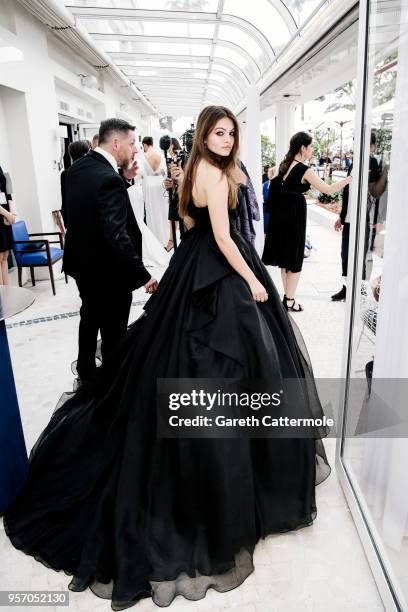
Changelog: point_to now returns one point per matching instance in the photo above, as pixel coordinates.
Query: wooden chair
(59, 222)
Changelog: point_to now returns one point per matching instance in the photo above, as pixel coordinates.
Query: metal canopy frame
(221, 76)
(254, 68)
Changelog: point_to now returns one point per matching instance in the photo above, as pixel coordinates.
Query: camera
(179, 158)
(188, 138)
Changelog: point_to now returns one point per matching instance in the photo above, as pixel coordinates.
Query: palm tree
(345, 98)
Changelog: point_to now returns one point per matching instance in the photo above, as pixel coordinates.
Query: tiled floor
(321, 568)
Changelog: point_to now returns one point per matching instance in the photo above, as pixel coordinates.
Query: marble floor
(321, 568)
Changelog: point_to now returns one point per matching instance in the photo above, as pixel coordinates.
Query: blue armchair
(35, 253)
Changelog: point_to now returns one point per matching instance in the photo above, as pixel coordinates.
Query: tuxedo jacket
(345, 198)
(103, 243)
(63, 179)
(374, 174)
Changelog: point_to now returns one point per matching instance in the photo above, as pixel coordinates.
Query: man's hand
(130, 174)
(338, 225)
(151, 285)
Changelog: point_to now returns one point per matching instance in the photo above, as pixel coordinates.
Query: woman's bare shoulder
(207, 172)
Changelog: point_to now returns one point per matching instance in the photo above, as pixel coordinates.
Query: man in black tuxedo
(376, 184)
(103, 246)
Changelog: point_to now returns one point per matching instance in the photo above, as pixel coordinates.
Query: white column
(243, 135)
(284, 128)
(252, 157)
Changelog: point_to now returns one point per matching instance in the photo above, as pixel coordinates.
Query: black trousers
(345, 239)
(366, 242)
(102, 310)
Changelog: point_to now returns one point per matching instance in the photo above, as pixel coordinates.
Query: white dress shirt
(348, 215)
(109, 157)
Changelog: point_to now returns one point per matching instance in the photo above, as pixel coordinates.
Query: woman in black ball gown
(286, 231)
(133, 515)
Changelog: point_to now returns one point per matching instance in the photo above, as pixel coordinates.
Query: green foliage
(268, 151)
(322, 141)
(345, 98)
(385, 81)
(384, 139)
(326, 199)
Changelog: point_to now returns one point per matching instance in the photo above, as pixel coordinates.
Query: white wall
(20, 154)
(31, 90)
(4, 144)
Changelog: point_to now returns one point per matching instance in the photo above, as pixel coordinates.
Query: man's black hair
(78, 149)
(148, 140)
(109, 126)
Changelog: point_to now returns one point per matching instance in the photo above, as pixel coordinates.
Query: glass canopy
(183, 54)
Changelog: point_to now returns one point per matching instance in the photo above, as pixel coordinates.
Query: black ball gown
(286, 231)
(132, 515)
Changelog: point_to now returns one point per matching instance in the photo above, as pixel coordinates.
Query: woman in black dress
(286, 232)
(7, 218)
(132, 514)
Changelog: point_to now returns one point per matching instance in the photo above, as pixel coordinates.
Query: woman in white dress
(153, 253)
(155, 195)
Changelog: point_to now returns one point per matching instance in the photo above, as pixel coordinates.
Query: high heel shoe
(292, 307)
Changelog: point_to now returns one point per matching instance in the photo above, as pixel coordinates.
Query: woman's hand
(9, 218)
(258, 291)
(176, 171)
(188, 222)
(338, 224)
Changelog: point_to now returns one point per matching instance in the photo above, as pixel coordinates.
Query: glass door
(372, 450)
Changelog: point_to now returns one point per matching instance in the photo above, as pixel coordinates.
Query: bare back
(292, 165)
(201, 180)
(153, 159)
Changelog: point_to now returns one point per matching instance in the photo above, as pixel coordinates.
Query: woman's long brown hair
(298, 140)
(205, 123)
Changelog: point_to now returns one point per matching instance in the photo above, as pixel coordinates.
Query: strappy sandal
(292, 307)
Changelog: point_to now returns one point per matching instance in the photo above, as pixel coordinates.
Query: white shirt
(109, 157)
(348, 215)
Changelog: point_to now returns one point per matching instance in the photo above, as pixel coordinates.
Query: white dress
(156, 200)
(153, 253)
